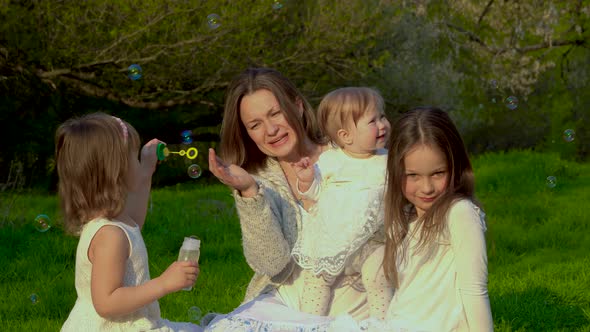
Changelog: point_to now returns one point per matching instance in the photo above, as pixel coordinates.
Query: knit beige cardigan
(270, 222)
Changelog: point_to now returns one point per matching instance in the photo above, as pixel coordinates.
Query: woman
(267, 126)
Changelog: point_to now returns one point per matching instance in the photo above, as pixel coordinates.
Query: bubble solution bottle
(190, 251)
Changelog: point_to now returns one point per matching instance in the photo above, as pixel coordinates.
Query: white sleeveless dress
(84, 317)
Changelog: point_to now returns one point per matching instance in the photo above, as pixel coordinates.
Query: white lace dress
(84, 317)
(348, 211)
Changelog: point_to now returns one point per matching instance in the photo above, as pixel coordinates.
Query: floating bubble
(42, 223)
(134, 72)
(551, 181)
(194, 313)
(194, 171)
(494, 84)
(213, 21)
(512, 102)
(569, 135)
(34, 298)
(277, 5)
(187, 137)
(494, 100)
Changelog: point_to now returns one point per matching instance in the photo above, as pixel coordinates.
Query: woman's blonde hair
(92, 154)
(341, 107)
(236, 146)
(432, 127)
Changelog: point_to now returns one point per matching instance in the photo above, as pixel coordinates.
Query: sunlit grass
(538, 239)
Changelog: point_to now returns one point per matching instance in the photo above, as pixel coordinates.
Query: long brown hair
(432, 127)
(92, 155)
(340, 106)
(236, 146)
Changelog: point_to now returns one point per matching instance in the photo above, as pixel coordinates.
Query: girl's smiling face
(426, 176)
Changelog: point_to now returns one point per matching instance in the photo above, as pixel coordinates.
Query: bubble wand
(162, 151)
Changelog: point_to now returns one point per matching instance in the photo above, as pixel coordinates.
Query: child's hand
(305, 171)
(179, 275)
(148, 157)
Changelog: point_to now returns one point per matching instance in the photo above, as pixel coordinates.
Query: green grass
(538, 239)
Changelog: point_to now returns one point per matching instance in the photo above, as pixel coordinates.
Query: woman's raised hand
(232, 175)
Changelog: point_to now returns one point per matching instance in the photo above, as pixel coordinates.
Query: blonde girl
(103, 190)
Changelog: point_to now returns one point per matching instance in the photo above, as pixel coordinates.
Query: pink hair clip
(123, 127)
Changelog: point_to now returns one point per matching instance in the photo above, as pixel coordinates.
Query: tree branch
(134, 33)
(99, 92)
(530, 48)
(485, 11)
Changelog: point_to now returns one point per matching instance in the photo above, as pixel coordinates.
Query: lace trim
(346, 323)
(334, 265)
(238, 324)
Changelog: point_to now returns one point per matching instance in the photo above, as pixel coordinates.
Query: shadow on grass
(537, 309)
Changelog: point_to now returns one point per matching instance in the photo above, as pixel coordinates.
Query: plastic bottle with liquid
(190, 251)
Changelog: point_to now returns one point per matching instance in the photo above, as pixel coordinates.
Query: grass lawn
(538, 245)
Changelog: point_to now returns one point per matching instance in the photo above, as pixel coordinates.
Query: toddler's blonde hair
(92, 154)
(341, 108)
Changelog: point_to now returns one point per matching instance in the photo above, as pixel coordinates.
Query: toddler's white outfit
(84, 317)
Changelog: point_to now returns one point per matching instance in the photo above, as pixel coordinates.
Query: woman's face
(267, 125)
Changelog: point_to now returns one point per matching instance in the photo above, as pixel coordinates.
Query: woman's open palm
(230, 174)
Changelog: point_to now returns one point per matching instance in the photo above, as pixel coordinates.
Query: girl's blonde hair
(432, 127)
(92, 154)
(236, 146)
(345, 106)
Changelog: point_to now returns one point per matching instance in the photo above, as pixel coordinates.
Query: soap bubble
(194, 313)
(494, 84)
(512, 102)
(569, 135)
(42, 223)
(34, 298)
(187, 136)
(194, 171)
(213, 21)
(277, 4)
(551, 181)
(134, 72)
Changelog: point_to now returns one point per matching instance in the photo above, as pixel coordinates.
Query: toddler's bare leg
(316, 294)
(379, 291)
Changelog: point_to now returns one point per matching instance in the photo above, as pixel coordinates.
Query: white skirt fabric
(277, 311)
(267, 314)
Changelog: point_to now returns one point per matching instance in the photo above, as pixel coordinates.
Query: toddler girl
(347, 184)
(104, 190)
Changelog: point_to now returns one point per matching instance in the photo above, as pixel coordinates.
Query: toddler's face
(386, 132)
(370, 133)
